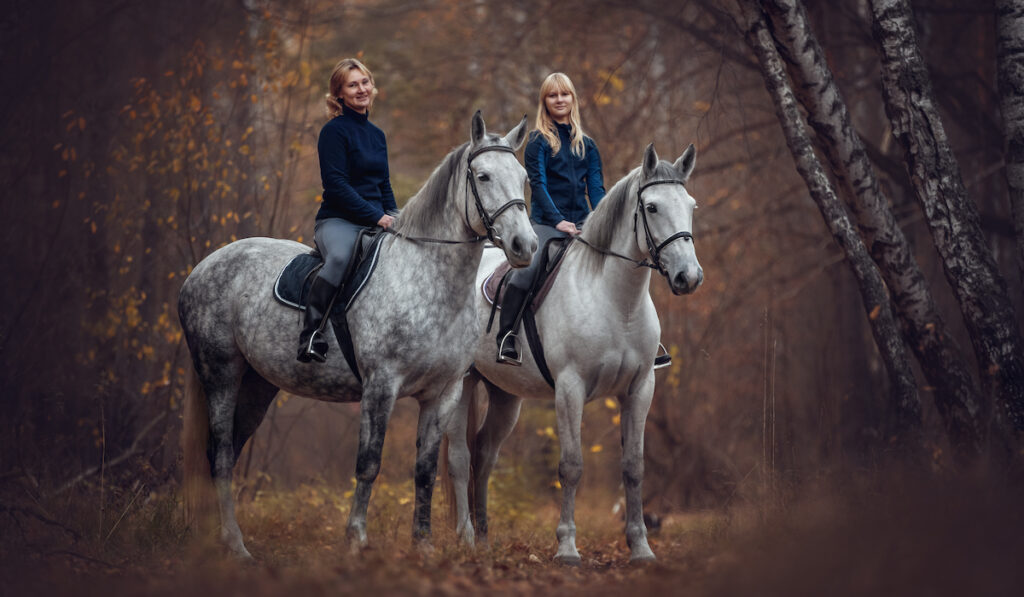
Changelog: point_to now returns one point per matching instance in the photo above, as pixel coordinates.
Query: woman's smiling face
(357, 91)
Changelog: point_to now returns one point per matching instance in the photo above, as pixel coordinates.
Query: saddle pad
(292, 285)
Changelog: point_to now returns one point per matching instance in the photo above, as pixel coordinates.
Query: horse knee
(569, 471)
(367, 468)
(425, 473)
(632, 472)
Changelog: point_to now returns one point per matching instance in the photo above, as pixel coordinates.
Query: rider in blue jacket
(357, 192)
(564, 167)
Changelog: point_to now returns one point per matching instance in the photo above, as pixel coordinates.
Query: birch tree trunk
(873, 292)
(966, 259)
(1010, 60)
(956, 396)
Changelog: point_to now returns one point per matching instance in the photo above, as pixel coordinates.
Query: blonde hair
(546, 125)
(338, 81)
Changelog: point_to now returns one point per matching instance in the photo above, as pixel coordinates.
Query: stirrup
(310, 353)
(664, 359)
(509, 360)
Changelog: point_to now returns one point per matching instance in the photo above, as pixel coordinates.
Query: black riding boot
(312, 346)
(508, 325)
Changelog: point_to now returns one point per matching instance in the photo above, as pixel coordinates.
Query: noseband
(652, 248)
(487, 219)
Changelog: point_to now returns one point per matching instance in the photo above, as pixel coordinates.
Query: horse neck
(621, 280)
(462, 256)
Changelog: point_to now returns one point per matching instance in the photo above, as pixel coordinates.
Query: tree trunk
(873, 292)
(1010, 60)
(966, 259)
(956, 397)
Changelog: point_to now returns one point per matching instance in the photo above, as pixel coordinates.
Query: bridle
(655, 249)
(487, 219)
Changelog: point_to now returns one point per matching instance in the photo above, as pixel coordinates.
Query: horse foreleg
(378, 399)
(459, 458)
(502, 414)
(569, 414)
(634, 416)
(435, 415)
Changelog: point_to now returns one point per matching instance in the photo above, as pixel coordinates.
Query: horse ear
(478, 130)
(684, 165)
(650, 161)
(516, 136)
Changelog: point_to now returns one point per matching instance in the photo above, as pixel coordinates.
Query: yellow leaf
(194, 103)
(874, 312)
(596, 448)
(701, 106)
(608, 402)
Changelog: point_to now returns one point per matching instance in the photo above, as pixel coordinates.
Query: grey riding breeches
(336, 240)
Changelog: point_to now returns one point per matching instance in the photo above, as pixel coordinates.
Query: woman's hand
(567, 227)
(385, 221)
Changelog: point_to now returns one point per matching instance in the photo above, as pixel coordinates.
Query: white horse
(600, 332)
(413, 327)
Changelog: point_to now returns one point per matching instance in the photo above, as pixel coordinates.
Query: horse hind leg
(221, 377)
(502, 415)
(254, 398)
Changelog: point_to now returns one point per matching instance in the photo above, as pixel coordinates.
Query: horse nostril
(679, 281)
(517, 246)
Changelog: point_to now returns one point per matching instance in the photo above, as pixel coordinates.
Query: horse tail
(197, 481)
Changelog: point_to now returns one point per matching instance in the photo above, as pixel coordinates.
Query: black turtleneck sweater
(354, 170)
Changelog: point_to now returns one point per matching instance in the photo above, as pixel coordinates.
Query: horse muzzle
(519, 249)
(686, 281)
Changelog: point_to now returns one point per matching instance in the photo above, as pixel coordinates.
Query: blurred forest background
(141, 136)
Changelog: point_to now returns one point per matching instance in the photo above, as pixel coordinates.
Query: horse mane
(425, 212)
(614, 210)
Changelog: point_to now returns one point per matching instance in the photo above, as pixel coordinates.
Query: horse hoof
(569, 560)
(642, 559)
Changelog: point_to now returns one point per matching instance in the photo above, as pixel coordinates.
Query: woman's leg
(519, 283)
(336, 240)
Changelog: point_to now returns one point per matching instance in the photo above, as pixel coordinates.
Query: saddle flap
(551, 262)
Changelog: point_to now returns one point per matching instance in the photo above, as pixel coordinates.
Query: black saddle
(292, 286)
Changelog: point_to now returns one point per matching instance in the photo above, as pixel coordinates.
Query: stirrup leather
(518, 360)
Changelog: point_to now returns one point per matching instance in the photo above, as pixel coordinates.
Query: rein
(487, 219)
(652, 248)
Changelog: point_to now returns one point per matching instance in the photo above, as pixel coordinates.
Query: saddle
(493, 289)
(291, 288)
(494, 286)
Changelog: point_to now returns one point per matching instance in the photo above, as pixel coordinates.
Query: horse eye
(651, 208)
(483, 177)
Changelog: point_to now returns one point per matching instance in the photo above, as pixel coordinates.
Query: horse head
(496, 180)
(664, 219)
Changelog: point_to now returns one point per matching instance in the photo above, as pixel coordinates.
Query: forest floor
(938, 538)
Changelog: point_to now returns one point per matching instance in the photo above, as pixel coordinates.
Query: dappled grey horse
(599, 332)
(413, 328)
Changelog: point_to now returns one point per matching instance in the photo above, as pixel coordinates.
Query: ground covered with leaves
(851, 538)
